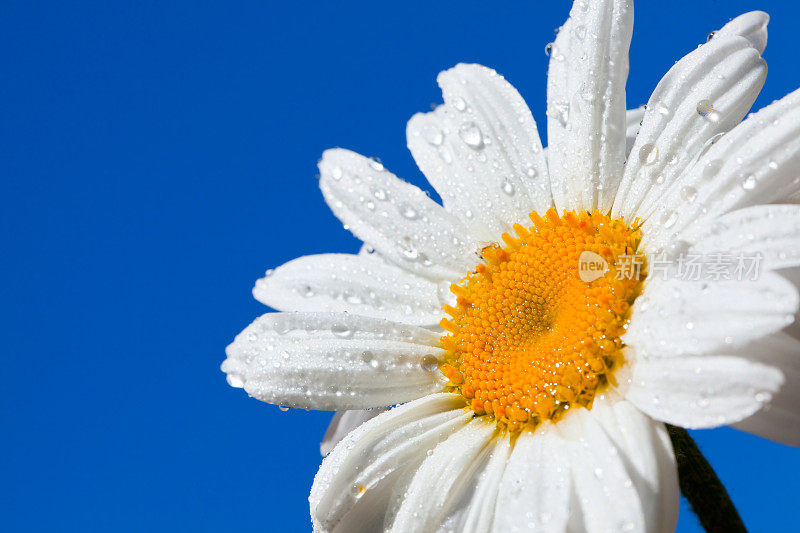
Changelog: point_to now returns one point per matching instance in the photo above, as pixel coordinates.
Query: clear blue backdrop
(157, 157)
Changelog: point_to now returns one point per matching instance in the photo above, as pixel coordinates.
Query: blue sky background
(157, 157)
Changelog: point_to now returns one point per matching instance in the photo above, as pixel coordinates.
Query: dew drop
(548, 49)
(669, 218)
(704, 107)
(409, 252)
(749, 182)
(352, 298)
(662, 109)
(446, 154)
(340, 330)
(648, 154)
(459, 104)
(712, 168)
(689, 194)
(306, 291)
(283, 408)
(336, 173)
(376, 165)
(408, 212)
(433, 135)
(235, 380)
(471, 134)
(369, 358)
(380, 194)
(508, 187)
(711, 35)
(429, 363)
(560, 111)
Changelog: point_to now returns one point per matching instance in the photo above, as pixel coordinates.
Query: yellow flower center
(536, 328)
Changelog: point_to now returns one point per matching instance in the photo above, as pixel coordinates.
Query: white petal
(755, 163)
(676, 317)
(353, 489)
(771, 231)
(586, 104)
(535, 489)
(333, 361)
(649, 459)
(779, 420)
(481, 151)
(360, 284)
(445, 473)
(473, 508)
(605, 492)
(344, 422)
(726, 73)
(701, 391)
(752, 26)
(397, 219)
(633, 121)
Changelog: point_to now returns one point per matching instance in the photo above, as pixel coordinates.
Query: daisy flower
(533, 370)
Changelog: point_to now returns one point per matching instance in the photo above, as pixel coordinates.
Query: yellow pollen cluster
(529, 338)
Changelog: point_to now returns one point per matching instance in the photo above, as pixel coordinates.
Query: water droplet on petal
(669, 218)
(471, 134)
(336, 173)
(749, 182)
(712, 168)
(662, 109)
(508, 187)
(689, 194)
(648, 154)
(560, 110)
(408, 251)
(459, 104)
(306, 291)
(763, 397)
(369, 358)
(408, 212)
(433, 135)
(340, 330)
(235, 380)
(430, 363)
(548, 49)
(704, 107)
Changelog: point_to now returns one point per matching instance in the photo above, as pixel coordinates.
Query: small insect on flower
(539, 330)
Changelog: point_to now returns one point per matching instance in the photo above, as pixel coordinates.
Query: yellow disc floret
(536, 328)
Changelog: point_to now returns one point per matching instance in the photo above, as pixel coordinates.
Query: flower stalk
(701, 487)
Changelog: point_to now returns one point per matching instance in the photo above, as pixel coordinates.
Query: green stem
(701, 487)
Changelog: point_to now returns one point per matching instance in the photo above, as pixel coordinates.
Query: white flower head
(541, 326)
